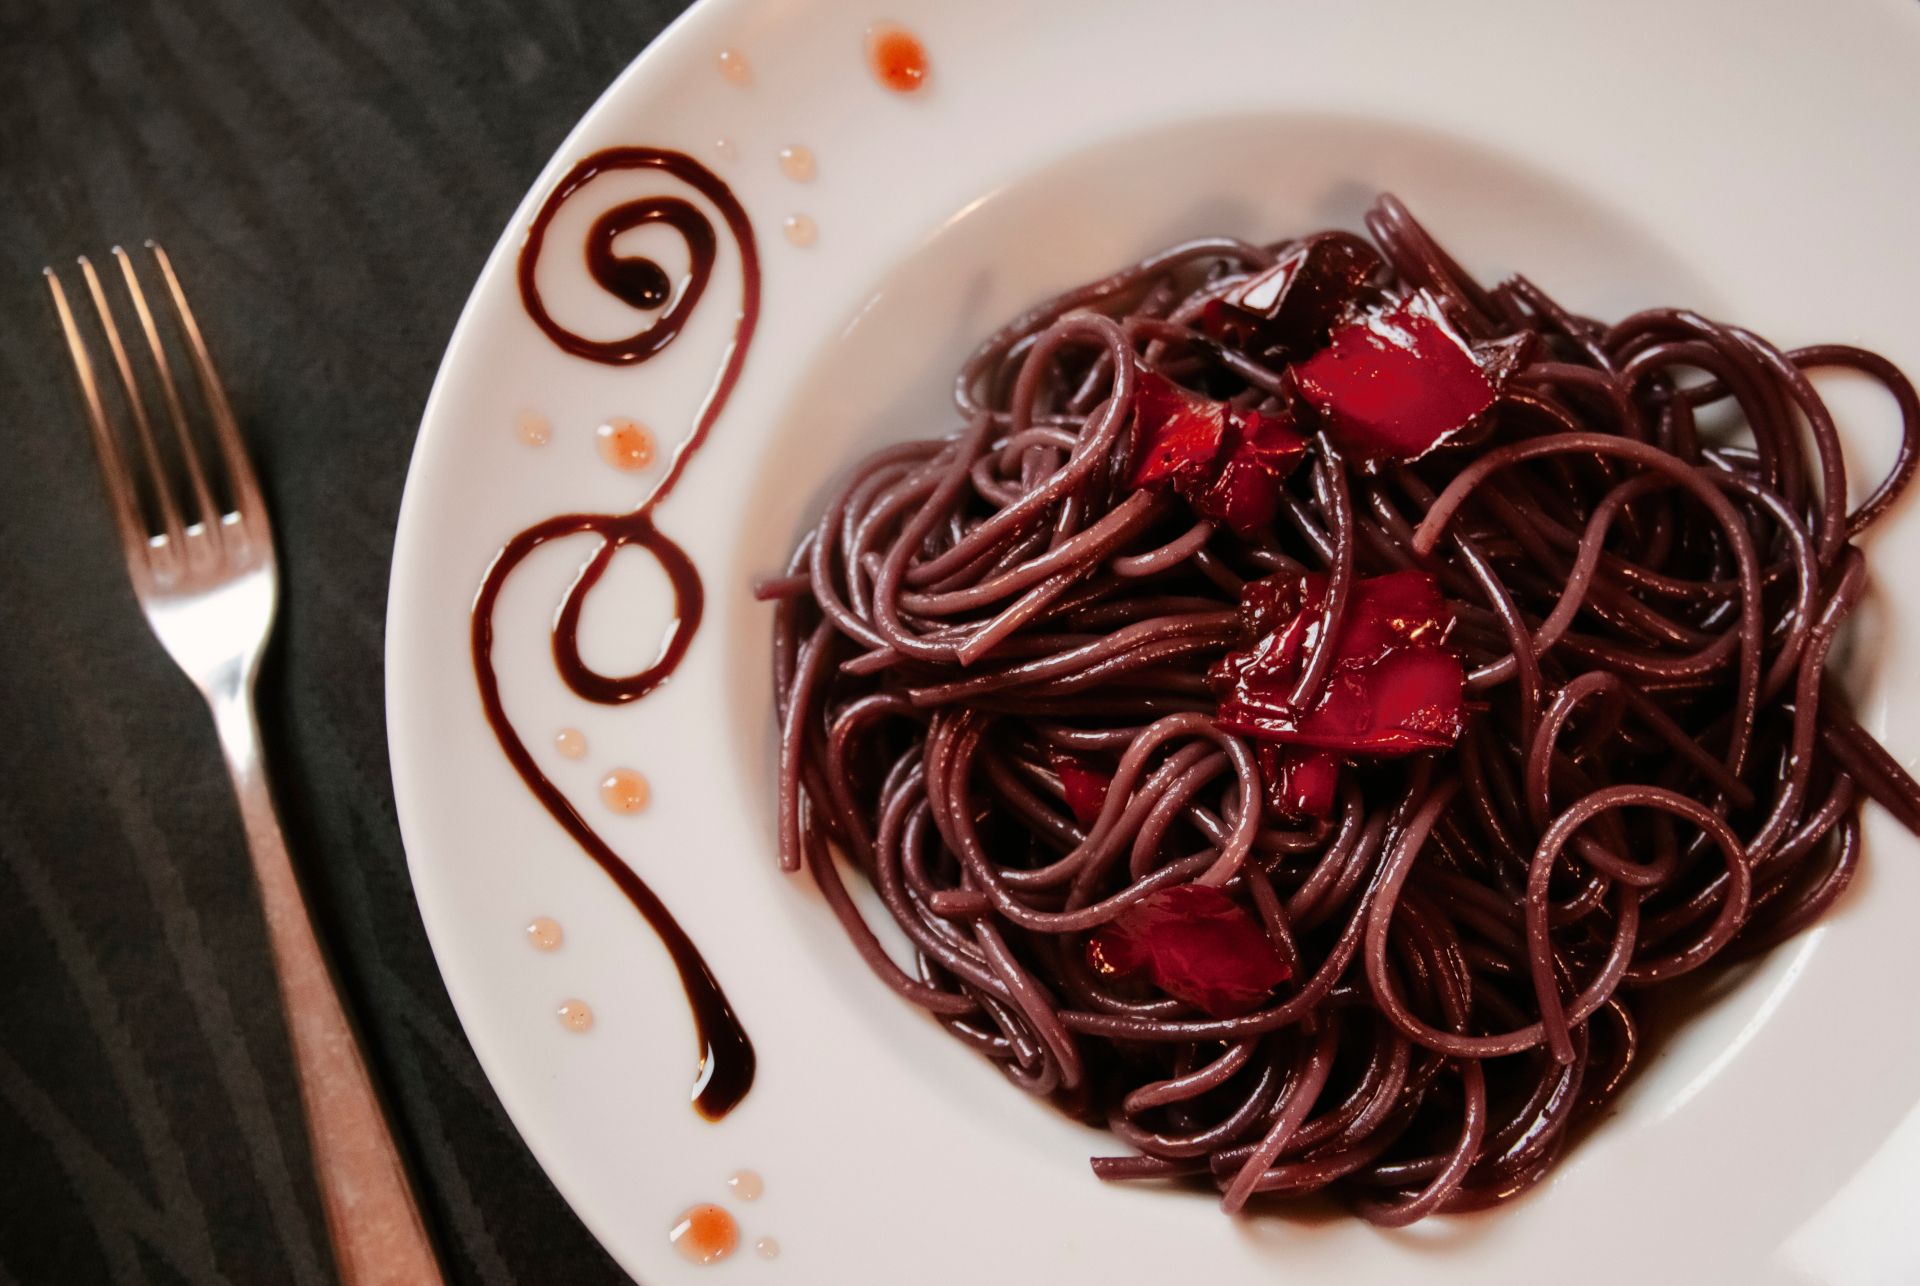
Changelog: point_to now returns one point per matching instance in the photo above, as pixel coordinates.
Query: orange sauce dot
(796, 162)
(733, 65)
(545, 934)
(570, 742)
(625, 791)
(575, 1015)
(896, 56)
(767, 1248)
(705, 1234)
(534, 429)
(625, 444)
(746, 1184)
(800, 230)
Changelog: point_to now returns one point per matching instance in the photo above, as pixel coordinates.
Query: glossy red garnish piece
(1084, 784)
(1294, 304)
(1227, 463)
(1177, 433)
(1394, 687)
(1402, 703)
(1392, 613)
(1194, 943)
(1300, 782)
(1397, 383)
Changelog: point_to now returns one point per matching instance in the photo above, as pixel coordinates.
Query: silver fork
(207, 583)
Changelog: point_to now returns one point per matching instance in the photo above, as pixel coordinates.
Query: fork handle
(373, 1220)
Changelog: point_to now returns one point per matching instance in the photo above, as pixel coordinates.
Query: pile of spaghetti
(1314, 697)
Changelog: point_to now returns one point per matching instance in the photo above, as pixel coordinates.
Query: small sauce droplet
(800, 229)
(725, 147)
(534, 429)
(545, 934)
(625, 444)
(767, 1248)
(896, 56)
(575, 1015)
(705, 1234)
(625, 791)
(796, 162)
(570, 742)
(746, 1184)
(733, 65)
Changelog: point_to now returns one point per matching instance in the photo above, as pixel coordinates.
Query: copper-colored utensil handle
(373, 1220)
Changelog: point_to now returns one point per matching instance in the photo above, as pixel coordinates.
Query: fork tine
(246, 488)
(113, 466)
(170, 393)
(143, 428)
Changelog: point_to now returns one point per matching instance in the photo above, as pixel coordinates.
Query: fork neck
(229, 694)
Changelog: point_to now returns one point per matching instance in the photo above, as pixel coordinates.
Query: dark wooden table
(329, 176)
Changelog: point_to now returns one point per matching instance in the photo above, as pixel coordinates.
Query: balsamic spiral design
(726, 1067)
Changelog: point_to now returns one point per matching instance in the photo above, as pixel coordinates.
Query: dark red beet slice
(1300, 782)
(1397, 383)
(1178, 433)
(1394, 688)
(1294, 304)
(1245, 494)
(1401, 703)
(1271, 602)
(1194, 943)
(1084, 784)
(1227, 463)
(1391, 613)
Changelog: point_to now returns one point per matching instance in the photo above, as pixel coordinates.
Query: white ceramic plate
(1758, 160)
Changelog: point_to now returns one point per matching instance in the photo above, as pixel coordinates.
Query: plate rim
(661, 50)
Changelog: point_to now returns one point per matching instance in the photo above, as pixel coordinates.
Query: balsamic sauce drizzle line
(726, 1054)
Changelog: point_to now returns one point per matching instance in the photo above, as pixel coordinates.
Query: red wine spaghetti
(1314, 696)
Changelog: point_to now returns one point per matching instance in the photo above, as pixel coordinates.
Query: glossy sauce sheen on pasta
(1313, 697)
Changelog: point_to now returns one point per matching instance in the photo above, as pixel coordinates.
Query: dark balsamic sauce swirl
(726, 1054)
